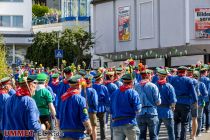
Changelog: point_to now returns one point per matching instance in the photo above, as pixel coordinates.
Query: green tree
(79, 42)
(74, 42)
(39, 10)
(4, 71)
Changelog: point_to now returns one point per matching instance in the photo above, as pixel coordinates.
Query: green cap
(82, 72)
(127, 77)
(162, 72)
(147, 71)
(42, 77)
(110, 73)
(98, 75)
(196, 74)
(67, 70)
(56, 75)
(203, 69)
(32, 78)
(75, 79)
(119, 69)
(190, 69)
(182, 68)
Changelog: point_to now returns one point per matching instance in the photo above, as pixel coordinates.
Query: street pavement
(163, 135)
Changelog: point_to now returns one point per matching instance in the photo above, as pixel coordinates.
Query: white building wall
(17, 8)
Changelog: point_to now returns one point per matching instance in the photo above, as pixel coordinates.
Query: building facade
(157, 32)
(15, 25)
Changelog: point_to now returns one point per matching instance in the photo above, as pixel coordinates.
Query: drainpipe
(187, 21)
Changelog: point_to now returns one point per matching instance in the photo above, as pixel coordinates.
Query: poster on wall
(202, 23)
(124, 23)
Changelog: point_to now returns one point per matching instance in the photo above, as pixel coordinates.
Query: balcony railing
(54, 19)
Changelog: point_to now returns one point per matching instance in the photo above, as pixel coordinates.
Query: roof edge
(100, 1)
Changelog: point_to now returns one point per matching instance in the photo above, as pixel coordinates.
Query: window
(75, 8)
(83, 8)
(5, 21)
(17, 21)
(11, 21)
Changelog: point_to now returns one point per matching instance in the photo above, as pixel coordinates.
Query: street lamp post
(58, 48)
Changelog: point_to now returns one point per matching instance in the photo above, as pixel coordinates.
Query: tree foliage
(74, 42)
(39, 10)
(4, 71)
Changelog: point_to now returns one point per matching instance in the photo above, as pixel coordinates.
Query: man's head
(146, 74)
(68, 72)
(29, 84)
(190, 72)
(196, 74)
(127, 79)
(6, 83)
(74, 81)
(182, 71)
(98, 77)
(42, 78)
(162, 74)
(204, 71)
(110, 75)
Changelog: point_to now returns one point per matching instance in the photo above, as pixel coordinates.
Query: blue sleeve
(136, 101)
(172, 94)
(33, 116)
(106, 93)
(83, 110)
(95, 98)
(203, 90)
(156, 94)
(193, 92)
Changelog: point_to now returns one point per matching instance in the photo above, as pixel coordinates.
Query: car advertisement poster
(202, 23)
(124, 23)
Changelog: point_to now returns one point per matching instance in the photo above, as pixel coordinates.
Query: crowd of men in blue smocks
(136, 99)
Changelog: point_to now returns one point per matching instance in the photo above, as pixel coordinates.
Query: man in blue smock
(73, 116)
(206, 81)
(91, 97)
(186, 95)
(125, 104)
(202, 94)
(150, 98)
(3, 97)
(168, 101)
(111, 88)
(63, 86)
(103, 102)
(27, 117)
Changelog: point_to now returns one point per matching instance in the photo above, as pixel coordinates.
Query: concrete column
(13, 54)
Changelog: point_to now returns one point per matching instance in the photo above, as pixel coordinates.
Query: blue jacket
(155, 79)
(72, 115)
(184, 89)
(3, 98)
(124, 104)
(206, 81)
(27, 117)
(103, 97)
(149, 96)
(118, 83)
(62, 89)
(92, 99)
(168, 97)
(202, 92)
(111, 88)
